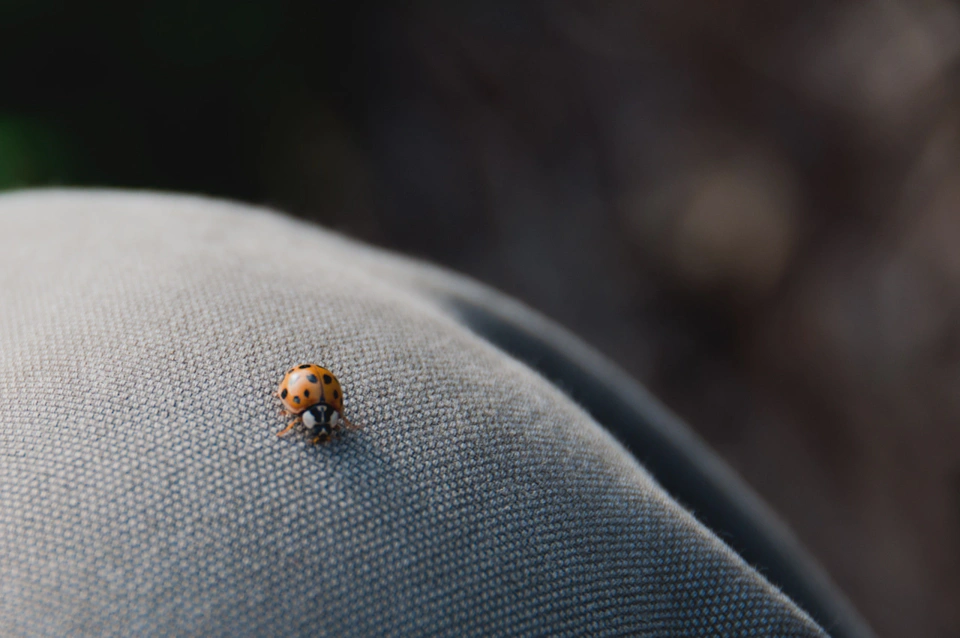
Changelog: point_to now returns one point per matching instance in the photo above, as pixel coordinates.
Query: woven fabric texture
(143, 491)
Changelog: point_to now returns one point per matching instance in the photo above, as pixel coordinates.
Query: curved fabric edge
(683, 464)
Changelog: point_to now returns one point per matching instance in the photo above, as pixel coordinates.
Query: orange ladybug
(314, 397)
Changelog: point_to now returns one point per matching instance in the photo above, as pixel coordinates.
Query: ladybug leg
(348, 425)
(289, 427)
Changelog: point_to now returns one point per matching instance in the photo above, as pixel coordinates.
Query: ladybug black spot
(305, 366)
(336, 395)
(296, 400)
(312, 378)
(283, 395)
(327, 379)
(306, 393)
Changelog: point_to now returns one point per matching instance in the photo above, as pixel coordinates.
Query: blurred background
(752, 206)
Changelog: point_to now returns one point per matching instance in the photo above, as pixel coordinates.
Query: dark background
(751, 205)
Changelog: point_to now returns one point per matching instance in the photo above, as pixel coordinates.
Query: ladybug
(313, 396)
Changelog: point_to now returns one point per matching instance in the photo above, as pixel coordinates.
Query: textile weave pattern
(143, 491)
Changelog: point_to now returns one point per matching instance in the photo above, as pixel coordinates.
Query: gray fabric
(142, 489)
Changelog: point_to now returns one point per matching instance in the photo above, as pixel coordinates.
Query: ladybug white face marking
(320, 415)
